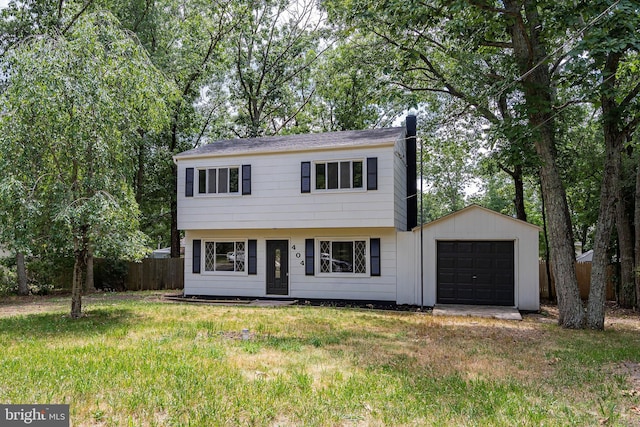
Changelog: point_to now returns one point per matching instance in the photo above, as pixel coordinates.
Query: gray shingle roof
(309, 141)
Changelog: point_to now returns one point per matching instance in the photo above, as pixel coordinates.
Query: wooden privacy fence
(583, 274)
(156, 274)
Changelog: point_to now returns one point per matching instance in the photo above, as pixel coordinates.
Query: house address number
(298, 254)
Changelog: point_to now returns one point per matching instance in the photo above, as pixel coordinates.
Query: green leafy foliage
(74, 107)
(8, 281)
(273, 48)
(353, 92)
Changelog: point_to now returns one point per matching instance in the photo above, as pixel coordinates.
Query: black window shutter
(309, 245)
(372, 173)
(246, 179)
(253, 257)
(188, 191)
(197, 244)
(375, 256)
(305, 177)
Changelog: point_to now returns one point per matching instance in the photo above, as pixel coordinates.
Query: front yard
(138, 360)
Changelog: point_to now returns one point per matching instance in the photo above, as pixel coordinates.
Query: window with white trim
(343, 256)
(339, 175)
(219, 180)
(224, 256)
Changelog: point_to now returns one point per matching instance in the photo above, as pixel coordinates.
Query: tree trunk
(23, 287)
(608, 194)
(79, 271)
(637, 235)
(529, 54)
(518, 184)
(571, 311)
(547, 259)
(626, 295)
(175, 233)
(89, 282)
(606, 215)
(139, 178)
(518, 200)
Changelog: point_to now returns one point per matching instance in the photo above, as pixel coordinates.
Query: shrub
(48, 273)
(110, 274)
(8, 281)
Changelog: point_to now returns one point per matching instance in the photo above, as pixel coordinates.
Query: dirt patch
(37, 304)
(632, 371)
(615, 316)
(31, 304)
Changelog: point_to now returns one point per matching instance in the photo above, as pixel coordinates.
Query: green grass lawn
(136, 360)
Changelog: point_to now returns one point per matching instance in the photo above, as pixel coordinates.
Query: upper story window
(218, 180)
(338, 175)
(223, 180)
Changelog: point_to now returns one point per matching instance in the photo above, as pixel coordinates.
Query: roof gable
(475, 210)
(300, 142)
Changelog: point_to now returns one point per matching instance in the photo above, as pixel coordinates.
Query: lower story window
(343, 256)
(224, 256)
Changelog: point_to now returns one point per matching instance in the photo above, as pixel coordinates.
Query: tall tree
(612, 46)
(18, 21)
(73, 105)
(274, 47)
(450, 158)
(489, 55)
(186, 41)
(429, 51)
(352, 90)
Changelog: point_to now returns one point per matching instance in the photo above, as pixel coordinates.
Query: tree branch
(501, 45)
(630, 96)
(76, 16)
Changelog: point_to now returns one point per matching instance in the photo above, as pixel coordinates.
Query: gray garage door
(475, 272)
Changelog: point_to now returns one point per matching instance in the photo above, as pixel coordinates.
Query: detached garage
(480, 257)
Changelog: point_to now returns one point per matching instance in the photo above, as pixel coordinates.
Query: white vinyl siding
(350, 286)
(277, 202)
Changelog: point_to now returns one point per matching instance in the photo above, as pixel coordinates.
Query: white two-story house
(330, 215)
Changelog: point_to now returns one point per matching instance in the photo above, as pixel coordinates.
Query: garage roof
(476, 208)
